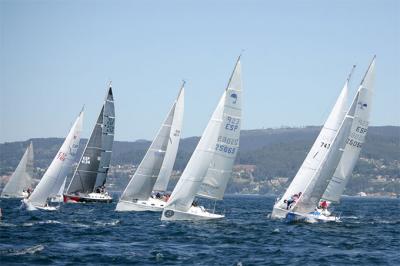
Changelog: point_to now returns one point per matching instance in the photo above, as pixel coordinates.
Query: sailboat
(154, 172)
(88, 182)
(210, 167)
(21, 180)
(59, 168)
(355, 140)
(317, 154)
(335, 166)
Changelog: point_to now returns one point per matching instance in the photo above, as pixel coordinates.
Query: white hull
(278, 213)
(312, 217)
(193, 214)
(316, 216)
(154, 205)
(21, 196)
(30, 207)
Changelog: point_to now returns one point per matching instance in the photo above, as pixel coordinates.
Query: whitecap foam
(29, 250)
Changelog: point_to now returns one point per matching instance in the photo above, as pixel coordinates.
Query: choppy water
(369, 234)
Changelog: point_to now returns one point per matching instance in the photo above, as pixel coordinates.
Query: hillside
(274, 152)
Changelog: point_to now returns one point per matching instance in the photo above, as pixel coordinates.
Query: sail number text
(224, 148)
(61, 156)
(354, 143)
(325, 145)
(232, 123)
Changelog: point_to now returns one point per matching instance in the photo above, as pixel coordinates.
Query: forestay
(59, 168)
(144, 179)
(95, 161)
(21, 179)
(173, 144)
(320, 147)
(356, 139)
(192, 177)
(220, 170)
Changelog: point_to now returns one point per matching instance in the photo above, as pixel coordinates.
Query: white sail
(62, 188)
(356, 139)
(59, 168)
(220, 170)
(141, 184)
(192, 177)
(319, 149)
(21, 179)
(173, 144)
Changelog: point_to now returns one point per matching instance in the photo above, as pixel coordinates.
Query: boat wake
(28, 250)
(105, 224)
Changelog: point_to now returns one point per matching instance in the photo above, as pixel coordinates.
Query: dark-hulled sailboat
(88, 181)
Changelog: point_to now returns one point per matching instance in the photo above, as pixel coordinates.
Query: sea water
(368, 234)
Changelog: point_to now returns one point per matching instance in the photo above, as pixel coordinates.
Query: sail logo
(234, 98)
(177, 132)
(362, 105)
(86, 160)
(61, 156)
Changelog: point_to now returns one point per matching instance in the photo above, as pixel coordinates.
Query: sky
(56, 56)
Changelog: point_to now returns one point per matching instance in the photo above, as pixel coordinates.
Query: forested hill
(275, 152)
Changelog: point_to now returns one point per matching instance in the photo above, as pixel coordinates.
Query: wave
(28, 250)
(112, 223)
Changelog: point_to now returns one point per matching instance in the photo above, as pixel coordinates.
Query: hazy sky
(56, 56)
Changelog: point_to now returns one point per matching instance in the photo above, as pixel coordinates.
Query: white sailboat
(334, 172)
(210, 166)
(88, 182)
(21, 180)
(356, 139)
(317, 154)
(154, 172)
(59, 168)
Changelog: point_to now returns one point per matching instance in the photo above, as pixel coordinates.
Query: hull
(193, 214)
(21, 196)
(91, 197)
(278, 213)
(154, 205)
(312, 217)
(30, 207)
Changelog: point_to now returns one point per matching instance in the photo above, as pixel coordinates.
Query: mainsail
(161, 153)
(95, 161)
(320, 147)
(223, 125)
(59, 168)
(220, 170)
(356, 139)
(21, 179)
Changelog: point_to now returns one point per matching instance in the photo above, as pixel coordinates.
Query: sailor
(29, 192)
(166, 197)
(324, 205)
(323, 208)
(293, 199)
